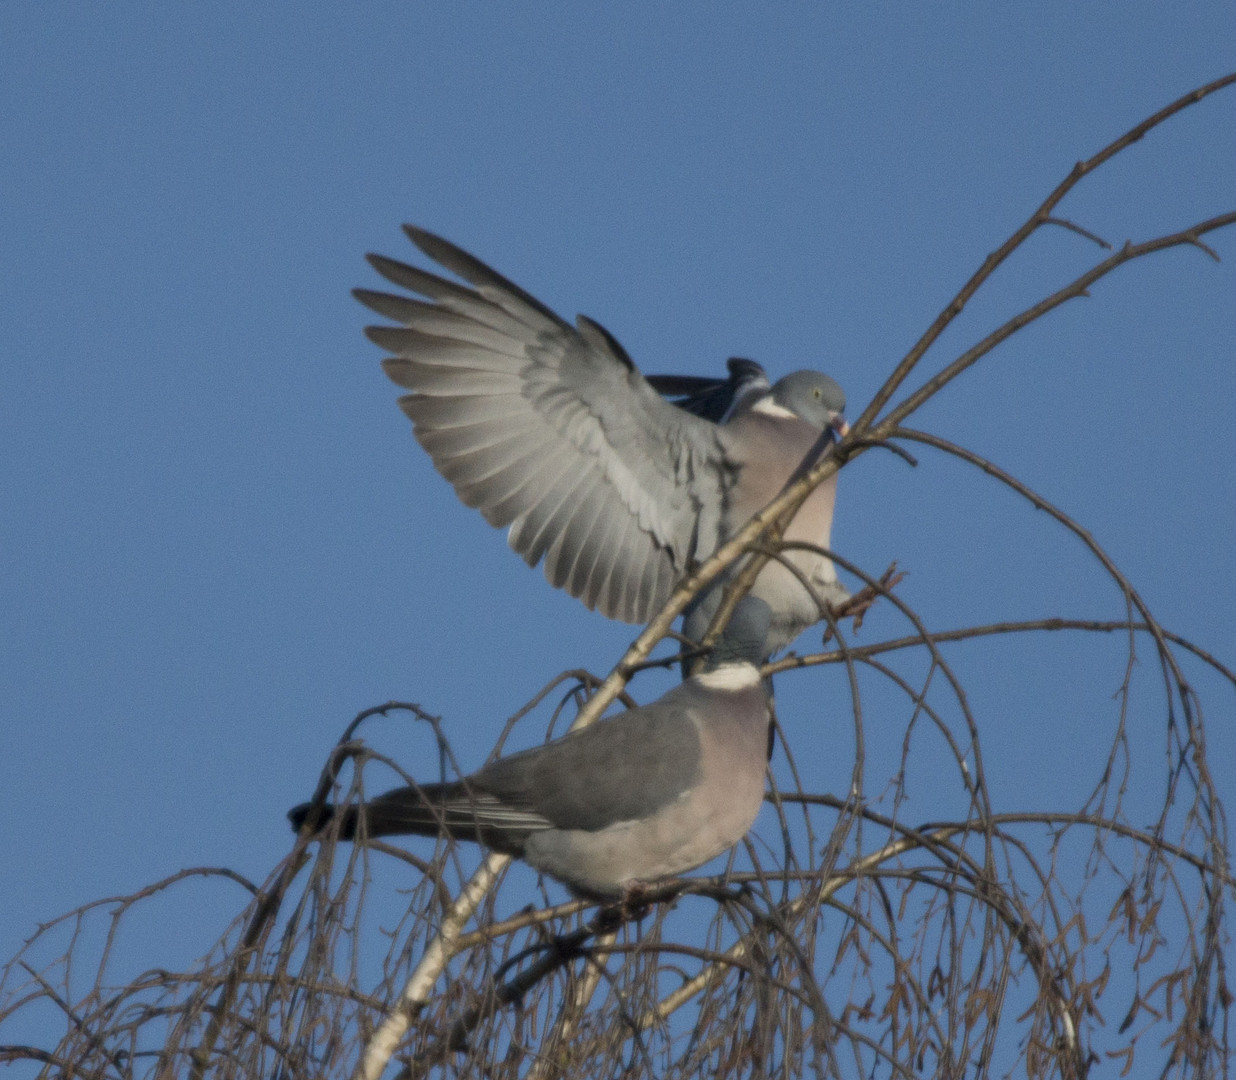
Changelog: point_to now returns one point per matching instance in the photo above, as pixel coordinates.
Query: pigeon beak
(837, 424)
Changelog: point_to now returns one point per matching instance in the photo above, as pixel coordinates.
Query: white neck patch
(739, 675)
(768, 407)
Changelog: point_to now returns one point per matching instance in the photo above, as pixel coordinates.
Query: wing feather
(619, 769)
(624, 571)
(532, 533)
(594, 572)
(590, 548)
(572, 536)
(549, 428)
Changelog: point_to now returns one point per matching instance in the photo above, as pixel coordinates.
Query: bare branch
(918, 922)
(997, 257)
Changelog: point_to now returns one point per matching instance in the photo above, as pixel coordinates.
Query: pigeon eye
(817, 393)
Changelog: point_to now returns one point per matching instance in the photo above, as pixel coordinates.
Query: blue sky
(221, 540)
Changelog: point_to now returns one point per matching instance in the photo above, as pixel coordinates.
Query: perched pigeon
(551, 431)
(644, 795)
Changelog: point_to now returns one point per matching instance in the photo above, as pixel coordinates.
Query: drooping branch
(1078, 287)
(1041, 216)
(934, 923)
(764, 528)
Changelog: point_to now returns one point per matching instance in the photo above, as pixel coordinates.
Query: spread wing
(550, 429)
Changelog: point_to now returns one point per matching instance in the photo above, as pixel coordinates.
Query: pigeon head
(814, 397)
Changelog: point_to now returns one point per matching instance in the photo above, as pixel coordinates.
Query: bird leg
(631, 906)
(857, 606)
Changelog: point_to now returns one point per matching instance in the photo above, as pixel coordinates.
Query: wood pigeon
(644, 795)
(552, 432)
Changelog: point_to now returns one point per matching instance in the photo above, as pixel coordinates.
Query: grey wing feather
(550, 430)
(622, 769)
(459, 809)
